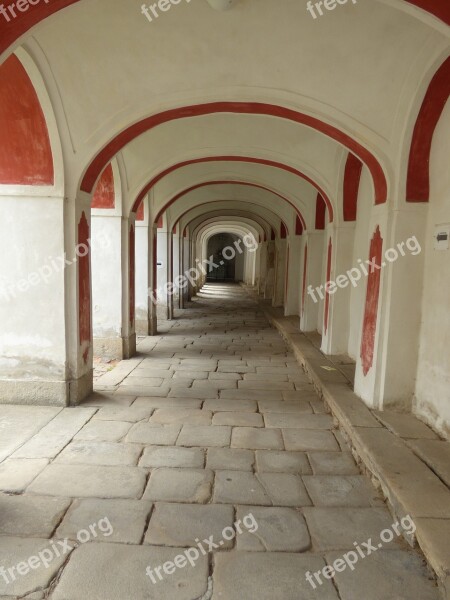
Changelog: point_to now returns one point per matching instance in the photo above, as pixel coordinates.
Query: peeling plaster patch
(31, 368)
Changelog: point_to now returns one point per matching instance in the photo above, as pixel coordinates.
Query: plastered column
(388, 380)
(313, 248)
(142, 277)
(335, 338)
(292, 295)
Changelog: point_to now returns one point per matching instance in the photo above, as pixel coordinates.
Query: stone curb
(408, 484)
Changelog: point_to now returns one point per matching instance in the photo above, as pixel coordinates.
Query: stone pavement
(212, 423)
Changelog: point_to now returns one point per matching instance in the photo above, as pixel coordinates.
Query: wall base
(34, 393)
(142, 327)
(108, 347)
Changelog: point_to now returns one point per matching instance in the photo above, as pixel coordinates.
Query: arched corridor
(225, 287)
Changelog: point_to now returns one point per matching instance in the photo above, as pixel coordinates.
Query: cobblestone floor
(213, 436)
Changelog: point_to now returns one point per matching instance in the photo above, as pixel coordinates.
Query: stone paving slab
(204, 436)
(103, 431)
(30, 516)
(131, 414)
(239, 487)
(434, 538)
(182, 525)
(248, 575)
(280, 406)
(303, 440)
(179, 485)
(146, 402)
(118, 572)
(232, 376)
(339, 528)
(172, 457)
(238, 419)
(295, 421)
(277, 386)
(166, 373)
(102, 399)
(85, 481)
(99, 453)
(265, 377)
(341, 490)
(150, 382)
(141, 390)
(18, 424)
(285, 489)
(127, 520)
(250, 395)
(282, 462)
(436, 454)
(197, 393)
(257, 439)
(214, 386)
(305, 394)
(333, 463)
(153, 434)
(230, 459)
(15, 550)
(405, 425)
(277, 530)
(182, 374)
(240, 369)
(225, 405)
(17, 474)
(181, 416)
(318, 406)
(388, 574)
(52, 438)
(407, 481)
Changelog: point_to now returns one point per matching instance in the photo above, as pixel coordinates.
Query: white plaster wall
(33, 329)
(432, 400)
(142, 281)
(106, 276)
(162, 272)
(360, 251)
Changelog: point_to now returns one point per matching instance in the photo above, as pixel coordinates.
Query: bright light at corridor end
(221, 4)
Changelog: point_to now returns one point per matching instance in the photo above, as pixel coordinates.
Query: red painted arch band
(212, 216)
(251, 108)
(25, 150)
(225, 182)
(248, 214)
(418, 182)
(147, 188)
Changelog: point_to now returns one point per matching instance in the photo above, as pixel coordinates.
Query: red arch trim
(352, 179)
(11, 31)
(320, 212)
(248, 215)
(418, 183)
(438, 8)
(248, 159)
(226, 182)
(104, 194)
(251, 108)
(25, 149)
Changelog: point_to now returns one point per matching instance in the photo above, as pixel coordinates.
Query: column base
(81, 388)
